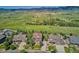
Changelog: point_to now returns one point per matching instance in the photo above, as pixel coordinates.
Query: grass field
(20, 20)
(41, 28)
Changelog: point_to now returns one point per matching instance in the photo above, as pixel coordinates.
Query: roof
(19, 37)
(55, 39)
(8, 31)
(74, 40)
(2, 36)
(1, 32)
(37, 35)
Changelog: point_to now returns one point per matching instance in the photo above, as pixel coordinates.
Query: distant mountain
(57, 8)
(48, 8)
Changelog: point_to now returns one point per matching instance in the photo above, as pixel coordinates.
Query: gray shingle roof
(56, 39)
(19, 37)
(2, 36)
(74, 40)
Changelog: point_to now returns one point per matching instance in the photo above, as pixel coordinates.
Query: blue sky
(16, 7)
(26, 7)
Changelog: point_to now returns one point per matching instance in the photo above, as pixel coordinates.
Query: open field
(50, 22)
(42, 28)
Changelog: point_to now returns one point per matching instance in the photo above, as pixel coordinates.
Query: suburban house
(56, 39)
(7, 32)
(74, 40)
(19, 38)
(37, 37)
(2, 38)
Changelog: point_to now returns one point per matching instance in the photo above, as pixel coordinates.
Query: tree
(29, 39)
(6, 45)
(45, 37)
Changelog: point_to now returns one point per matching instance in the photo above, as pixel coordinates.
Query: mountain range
(48, 8)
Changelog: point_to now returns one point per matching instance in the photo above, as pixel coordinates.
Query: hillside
(63, 18)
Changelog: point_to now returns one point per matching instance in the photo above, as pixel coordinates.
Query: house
(37, 37)
(4, 34)
(7, 32)
(56, 39)
(74, 40)
(19, 38)
(2, 37)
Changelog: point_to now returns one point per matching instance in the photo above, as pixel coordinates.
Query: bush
(45, 37)
(52, 48)
(70, 49)
(65, 37)
(1, 46)
(66, 49)
(6, 45)
(13, 47)
(62, 34)
(23, 51)
(37, 46)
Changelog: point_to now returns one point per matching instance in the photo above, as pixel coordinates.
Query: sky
(26, 7)
(17, 7)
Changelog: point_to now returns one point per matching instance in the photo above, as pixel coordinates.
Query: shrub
(23, 51)
(37, 46)
(70, 49)
(45, 37)
(62, 34)
(65, 37)
(6, 45)
(1, 46)
(52, 48)
(13, 47)
(66, 49)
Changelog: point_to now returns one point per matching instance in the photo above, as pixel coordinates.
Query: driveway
(21, 46)
(60, 48)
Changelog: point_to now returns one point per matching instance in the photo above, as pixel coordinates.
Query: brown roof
(37, 36)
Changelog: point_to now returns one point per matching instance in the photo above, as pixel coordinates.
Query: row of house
(20, 38)
(4, 34)
(56, 39)
(37, 37)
